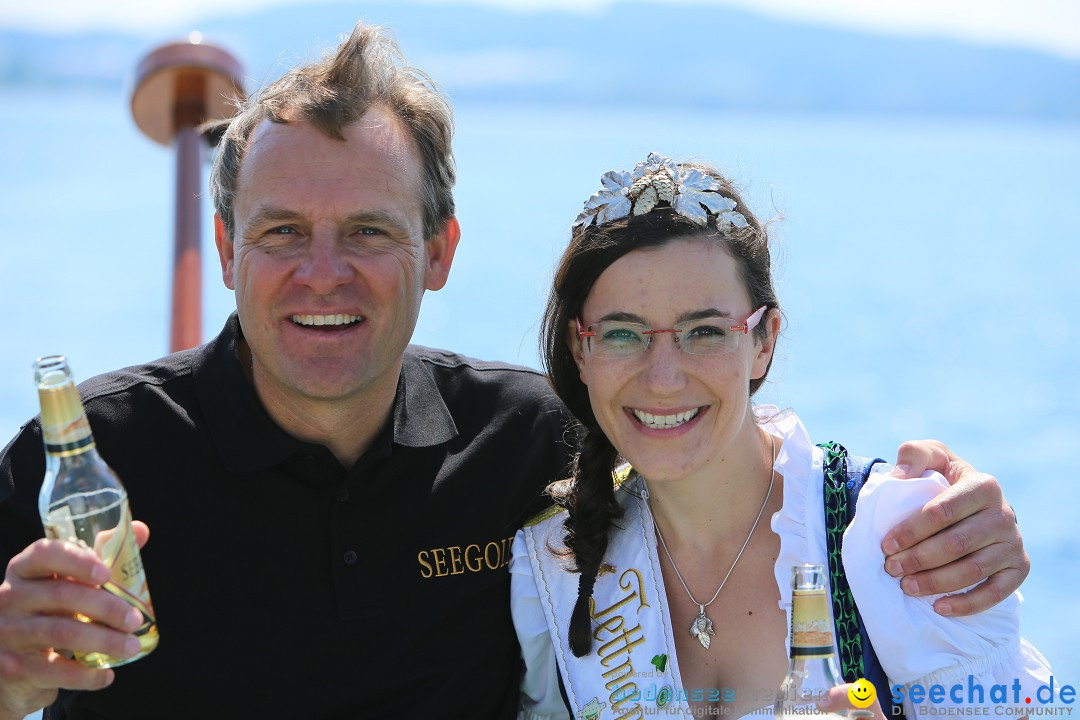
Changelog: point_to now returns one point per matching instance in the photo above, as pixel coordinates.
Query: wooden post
(178, 87)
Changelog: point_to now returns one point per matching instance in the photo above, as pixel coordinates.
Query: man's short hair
(366, 70)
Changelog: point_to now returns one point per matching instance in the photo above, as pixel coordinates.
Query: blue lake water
(928, 272)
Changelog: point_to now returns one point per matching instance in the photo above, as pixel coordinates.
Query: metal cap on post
(178, 87)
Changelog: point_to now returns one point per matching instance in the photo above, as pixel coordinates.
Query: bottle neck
(811, 624)
(64, 427)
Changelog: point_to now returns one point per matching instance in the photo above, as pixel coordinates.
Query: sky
(1049, 25)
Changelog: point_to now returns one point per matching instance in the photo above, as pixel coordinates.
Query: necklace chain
(702, 625)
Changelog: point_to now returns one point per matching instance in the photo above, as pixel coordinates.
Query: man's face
(329, 262)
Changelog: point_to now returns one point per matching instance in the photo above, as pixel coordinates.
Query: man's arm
(966, 534)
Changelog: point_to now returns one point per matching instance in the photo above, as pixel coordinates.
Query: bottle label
(64, 426)
(118, 549)
(811, 628)
(121, 553)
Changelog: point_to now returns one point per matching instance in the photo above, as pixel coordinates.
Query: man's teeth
(661, 422)
(338, 319)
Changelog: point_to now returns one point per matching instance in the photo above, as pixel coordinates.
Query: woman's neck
(715, 508)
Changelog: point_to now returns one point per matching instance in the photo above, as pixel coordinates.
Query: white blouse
(915, 645)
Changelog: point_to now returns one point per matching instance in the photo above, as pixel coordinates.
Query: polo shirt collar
(421, 418)
(249, 440)
(245, 436)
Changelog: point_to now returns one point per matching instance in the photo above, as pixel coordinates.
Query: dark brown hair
(589, 494)
(367, 69)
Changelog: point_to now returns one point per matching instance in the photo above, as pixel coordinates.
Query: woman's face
(669, 413)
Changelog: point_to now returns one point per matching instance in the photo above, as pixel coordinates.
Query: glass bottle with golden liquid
(82, 500)
(812, 669)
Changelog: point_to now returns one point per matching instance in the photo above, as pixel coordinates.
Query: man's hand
(45, 586)
(966, 534)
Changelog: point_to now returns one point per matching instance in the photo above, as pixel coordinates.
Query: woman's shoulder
(800, 522)
(626, 482)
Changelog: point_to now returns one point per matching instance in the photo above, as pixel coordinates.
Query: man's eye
(282, 230)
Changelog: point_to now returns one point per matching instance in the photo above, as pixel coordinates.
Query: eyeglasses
(703, 336)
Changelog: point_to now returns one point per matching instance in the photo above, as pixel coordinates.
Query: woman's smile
(661, 423)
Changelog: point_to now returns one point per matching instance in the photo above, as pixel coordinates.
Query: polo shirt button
(343, 494)
(350, 557)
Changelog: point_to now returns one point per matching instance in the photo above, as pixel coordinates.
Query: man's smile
(338, 319)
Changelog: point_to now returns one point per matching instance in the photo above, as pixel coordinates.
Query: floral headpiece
(690, 193)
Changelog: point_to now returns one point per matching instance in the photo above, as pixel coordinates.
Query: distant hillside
(699, 56)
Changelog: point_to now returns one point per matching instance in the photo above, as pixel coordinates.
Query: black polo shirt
(288, 586)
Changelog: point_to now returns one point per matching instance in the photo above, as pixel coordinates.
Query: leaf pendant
(702, 630)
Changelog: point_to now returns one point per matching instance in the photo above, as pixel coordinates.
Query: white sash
(632, 670)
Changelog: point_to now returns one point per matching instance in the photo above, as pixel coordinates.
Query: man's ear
(573, 341)
(439, 252)
(767, 345)
(225, 251)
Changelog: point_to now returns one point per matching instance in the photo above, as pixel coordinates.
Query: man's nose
(324, 266)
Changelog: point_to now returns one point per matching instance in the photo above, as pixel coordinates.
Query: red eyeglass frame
(744, 327)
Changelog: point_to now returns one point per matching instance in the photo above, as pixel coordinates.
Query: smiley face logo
(862, 693)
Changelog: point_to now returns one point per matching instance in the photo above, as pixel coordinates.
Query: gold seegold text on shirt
(457, 560)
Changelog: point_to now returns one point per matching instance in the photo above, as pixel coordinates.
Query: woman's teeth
(662, 422)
